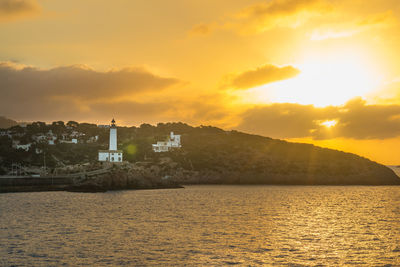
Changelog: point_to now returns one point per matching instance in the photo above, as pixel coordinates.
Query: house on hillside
(25, 147)
(51, 137)
(72, 141)
(48, 138)
(173, 141)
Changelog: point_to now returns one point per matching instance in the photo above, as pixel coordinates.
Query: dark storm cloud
(355, 120)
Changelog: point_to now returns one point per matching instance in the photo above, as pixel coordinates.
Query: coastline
(129, 176)
(91, 185)
(104, 184)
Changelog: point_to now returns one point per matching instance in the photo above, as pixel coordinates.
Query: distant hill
(6, 123)
(396, 169)
(239, 158)
(232, 157)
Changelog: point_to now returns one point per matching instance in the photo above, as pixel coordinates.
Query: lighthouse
(112, 154)
(113, 136)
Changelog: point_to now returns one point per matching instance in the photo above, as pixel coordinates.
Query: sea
(203, 226)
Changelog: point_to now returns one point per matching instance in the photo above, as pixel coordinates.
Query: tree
(17, 129)
(72, 124)
(37, 127)
(88, 128)
(57, 127)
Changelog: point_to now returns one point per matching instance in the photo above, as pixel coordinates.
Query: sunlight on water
(203, 225)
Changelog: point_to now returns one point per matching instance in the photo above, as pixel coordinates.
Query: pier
(45, 183)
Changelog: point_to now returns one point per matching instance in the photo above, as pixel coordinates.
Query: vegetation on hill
(210, 155)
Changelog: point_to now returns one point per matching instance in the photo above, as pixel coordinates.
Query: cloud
(285, 120)
(262, 75)
(279, 13)
(77, 82)
(201, 29)
(281, 8)
(355, 120)
(263, 16)
(30, 92)
(352, 27)
(361, 121)
(131, 95)
(12, 9)
(267, 15)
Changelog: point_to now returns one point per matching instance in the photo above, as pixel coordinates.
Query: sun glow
(329, 124)
(323, 81)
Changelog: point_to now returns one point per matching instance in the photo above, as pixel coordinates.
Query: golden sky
(320, 71)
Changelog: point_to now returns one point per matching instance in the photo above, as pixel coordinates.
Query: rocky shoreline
(165, 173)
(123, 177)
(126, 176)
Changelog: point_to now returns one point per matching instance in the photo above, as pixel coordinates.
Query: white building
(25, 147)
(76, 134)
(93, 139)
(72, 141)
(174, 141)
(52, 140)
(112, 154)
(39, 137)
(49, 138)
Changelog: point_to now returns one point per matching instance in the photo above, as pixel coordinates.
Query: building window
(119, 159)
(112, 158)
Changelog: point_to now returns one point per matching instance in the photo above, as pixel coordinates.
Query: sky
(325, 72)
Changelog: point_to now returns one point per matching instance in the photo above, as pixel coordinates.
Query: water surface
(203, 225)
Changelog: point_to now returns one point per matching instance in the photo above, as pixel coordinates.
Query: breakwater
(34, 184)
(118, 177)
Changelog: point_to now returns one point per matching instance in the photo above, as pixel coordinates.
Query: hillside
(211, 155)
(6, 123)
(234, 157)
(396, 169)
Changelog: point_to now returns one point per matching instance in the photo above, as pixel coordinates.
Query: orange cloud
(29, 92)
(262, 75)
(283, 13)
(78, 82)
(350, 28)
(355, 120)
(266, 15)
(282, 8)
(77, 92)
(201, 29)
(12, 9)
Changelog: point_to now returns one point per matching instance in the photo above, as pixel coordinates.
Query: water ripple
(204, 225)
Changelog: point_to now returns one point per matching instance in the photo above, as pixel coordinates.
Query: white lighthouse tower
(112, 154)
(113, 136)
